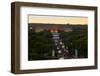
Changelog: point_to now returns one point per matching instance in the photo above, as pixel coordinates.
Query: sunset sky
(57, 19)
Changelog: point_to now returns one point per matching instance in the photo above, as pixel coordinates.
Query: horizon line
(58, 24)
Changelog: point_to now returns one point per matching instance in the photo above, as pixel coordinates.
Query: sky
(57, 19)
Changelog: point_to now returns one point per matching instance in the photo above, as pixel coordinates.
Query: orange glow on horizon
(57, 20)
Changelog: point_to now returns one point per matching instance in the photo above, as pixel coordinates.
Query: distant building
(49, 27)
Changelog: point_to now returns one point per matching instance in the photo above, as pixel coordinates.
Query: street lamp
(76, 53)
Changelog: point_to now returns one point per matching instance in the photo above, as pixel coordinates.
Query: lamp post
(76, 53)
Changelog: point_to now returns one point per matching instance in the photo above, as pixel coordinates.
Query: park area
(50, 43)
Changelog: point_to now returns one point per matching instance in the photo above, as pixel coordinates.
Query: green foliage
(76, 39)
(40, 45)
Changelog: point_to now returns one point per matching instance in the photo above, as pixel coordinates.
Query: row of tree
(40, 44)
